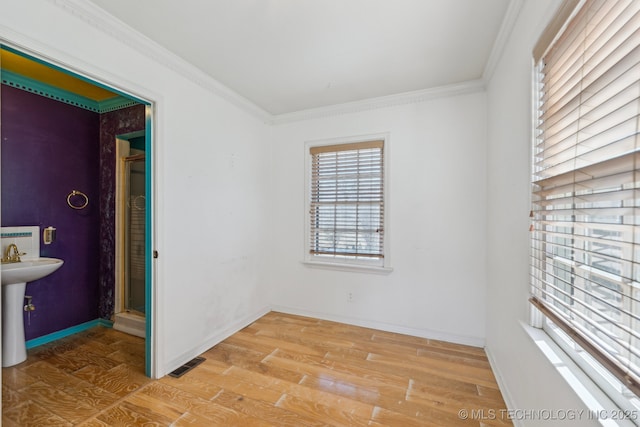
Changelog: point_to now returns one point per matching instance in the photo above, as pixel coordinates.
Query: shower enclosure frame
(126, 318)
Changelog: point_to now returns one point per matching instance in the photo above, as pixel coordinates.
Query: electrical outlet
(350, 297)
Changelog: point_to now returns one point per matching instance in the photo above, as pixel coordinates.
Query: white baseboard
(502, 385)
(213, 340)
(422, 333)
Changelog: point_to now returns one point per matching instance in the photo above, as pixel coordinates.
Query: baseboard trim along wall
(502, 384)
(388, 327)
(54, 336)
(213, 340)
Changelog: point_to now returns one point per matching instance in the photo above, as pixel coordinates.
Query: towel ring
(77, 193)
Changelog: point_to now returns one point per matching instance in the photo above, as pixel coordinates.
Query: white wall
(528, 378)
(210, 160)
(437, 208)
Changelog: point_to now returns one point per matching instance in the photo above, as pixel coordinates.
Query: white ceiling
(292, 55)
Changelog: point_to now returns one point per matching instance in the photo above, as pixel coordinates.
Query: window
(346, 201)
(585, 265)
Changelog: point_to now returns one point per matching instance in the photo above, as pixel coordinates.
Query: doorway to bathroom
(131, 196)
(107, 112)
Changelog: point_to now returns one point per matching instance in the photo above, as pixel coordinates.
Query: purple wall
(50, 148)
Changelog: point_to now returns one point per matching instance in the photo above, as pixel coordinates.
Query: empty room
(340, 212)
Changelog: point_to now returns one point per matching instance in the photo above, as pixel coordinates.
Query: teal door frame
(150, 252)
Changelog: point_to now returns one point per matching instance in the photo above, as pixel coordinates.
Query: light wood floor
(282, 370)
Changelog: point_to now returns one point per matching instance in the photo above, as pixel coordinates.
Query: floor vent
(186, 367)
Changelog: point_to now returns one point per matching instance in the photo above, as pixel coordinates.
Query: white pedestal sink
(14, 282)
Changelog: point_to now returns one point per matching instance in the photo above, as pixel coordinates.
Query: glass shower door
(134, 245)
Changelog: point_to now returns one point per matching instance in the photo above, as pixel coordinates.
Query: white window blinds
(586, 185)
(347, 201)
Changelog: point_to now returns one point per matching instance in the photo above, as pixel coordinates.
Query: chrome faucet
(9, 257)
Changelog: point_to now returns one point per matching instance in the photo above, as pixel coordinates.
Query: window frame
(596, 371)
(376, 265)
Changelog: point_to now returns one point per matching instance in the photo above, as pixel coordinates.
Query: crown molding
(115, 103)
(506, 28)
(36, 87)
(404, 98)
(98, 18)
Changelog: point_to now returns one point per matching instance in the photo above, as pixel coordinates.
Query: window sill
(598, 405)
(348, 267)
